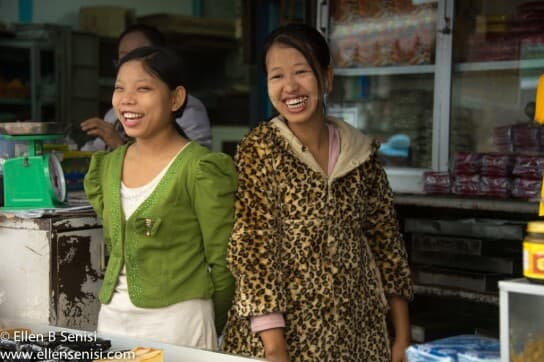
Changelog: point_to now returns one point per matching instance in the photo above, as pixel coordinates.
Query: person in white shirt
(109, 133)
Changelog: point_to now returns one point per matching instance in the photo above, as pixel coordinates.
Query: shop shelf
(387, 70)
(487, 298)
(16, 102)
(500, 65)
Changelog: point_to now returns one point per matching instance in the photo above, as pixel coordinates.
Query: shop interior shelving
(488, 298)
(35, 48)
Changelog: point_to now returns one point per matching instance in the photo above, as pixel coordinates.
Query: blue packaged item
(479, 357)
(396, 146)
(449, 349)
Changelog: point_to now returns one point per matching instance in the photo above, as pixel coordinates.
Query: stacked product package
(466, 173)
(436, 182)
(503, 36)
(495, 174)
(382, 33)
(527, 176)
(514, 171)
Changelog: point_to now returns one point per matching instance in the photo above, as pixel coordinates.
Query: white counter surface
(171, 353)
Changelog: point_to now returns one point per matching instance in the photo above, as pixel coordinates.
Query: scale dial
(57, 182)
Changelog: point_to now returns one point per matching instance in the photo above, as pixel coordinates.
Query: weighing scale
(36, 179)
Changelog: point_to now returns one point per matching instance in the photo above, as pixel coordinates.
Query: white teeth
(130, 115)
(296, 102)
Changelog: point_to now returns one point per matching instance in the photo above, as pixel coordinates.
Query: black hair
(152, 34)
(308, 41)
(164, 64)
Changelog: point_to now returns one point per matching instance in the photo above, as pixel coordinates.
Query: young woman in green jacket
(166, 206)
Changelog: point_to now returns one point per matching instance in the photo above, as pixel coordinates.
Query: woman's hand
(97, 127)
(398, 351)
(275, 346)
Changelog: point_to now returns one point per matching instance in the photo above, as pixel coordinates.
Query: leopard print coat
(324, 251)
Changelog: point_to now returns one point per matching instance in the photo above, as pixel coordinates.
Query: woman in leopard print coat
(316, 250)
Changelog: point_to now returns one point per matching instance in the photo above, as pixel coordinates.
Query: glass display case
(521, 321)
(433, 78)
(498, 55)
(384, 54)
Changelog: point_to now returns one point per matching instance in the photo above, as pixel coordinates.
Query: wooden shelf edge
(488, 298)
(468, 203)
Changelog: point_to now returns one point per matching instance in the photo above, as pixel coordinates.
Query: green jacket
(174, 244)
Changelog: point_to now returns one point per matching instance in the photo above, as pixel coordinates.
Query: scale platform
(36, 179)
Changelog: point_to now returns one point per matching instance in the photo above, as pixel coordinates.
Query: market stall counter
(56, 343)
(51, 267)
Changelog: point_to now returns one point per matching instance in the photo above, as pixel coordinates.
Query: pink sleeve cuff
(267, 321)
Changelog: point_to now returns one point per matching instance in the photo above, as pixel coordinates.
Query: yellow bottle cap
(535, 227)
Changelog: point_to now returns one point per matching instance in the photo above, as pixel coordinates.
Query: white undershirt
(132, 197)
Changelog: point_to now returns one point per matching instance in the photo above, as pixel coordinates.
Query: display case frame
(507, 287)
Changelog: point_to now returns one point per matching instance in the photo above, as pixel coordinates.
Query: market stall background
(447, 87)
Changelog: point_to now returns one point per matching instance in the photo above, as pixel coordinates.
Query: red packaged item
(528, 167)
(436, 182)
(541, 144)
(344, 51)
(502, 135)
(467, 185)
(492, 47)
(362, 33)
(506, 148)
(531, 150)
(499, 187)
(525, 136)
(497, 165)
(467, 163)
(527, 189)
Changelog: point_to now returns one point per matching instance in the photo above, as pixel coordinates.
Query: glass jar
(533, 252)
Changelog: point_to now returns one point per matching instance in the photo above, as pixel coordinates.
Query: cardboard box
(105, 20)
(190, 25)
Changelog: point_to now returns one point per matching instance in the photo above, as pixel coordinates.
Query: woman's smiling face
(293, 87)
(142, 102)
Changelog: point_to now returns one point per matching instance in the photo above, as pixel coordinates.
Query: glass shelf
(26, 43)
(501, 65)
(392, 70)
